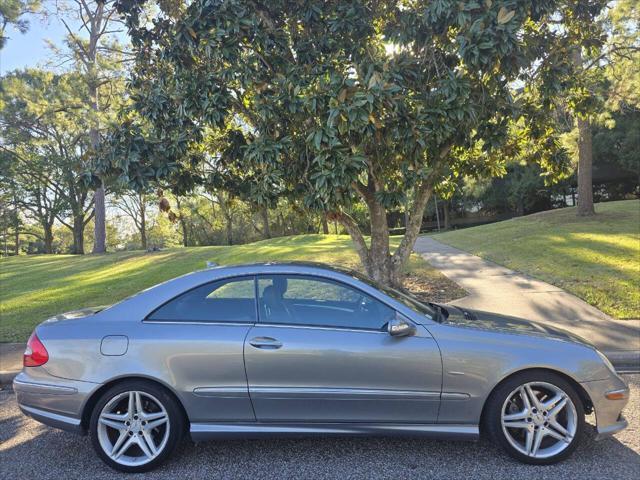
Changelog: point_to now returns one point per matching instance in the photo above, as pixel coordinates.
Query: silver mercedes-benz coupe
(303, 349)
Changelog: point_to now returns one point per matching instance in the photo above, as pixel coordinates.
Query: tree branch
(354, 232)
(422, 195)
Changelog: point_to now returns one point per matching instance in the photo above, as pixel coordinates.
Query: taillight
(35, 353)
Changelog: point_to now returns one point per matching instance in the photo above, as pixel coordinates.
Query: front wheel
(536, 417)
(135, 426)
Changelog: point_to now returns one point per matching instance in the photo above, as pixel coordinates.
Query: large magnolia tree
(333, 102)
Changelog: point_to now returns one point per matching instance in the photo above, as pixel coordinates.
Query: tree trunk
(96, 30)
(445, 209)
(229, 229)
(143, 223)
(183, 224)
(376, 258)
(585, 168)
(381, 267)
(99, 230)
(264, 213)
(78, 235)
(325, 224)
(585, 154)
(16, 240)
(185, 235)
(48, 238)
(421, 197)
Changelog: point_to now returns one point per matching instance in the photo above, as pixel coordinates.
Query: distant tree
(135, 206)
(605, 54)
(28, 175)
(619, 144)
(520, 191)
(623, 74)
(12, 12)
(44, 125)
(11, 223)
(93, 45)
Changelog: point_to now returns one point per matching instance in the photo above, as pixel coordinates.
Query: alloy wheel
(539, 419)
(133, 428)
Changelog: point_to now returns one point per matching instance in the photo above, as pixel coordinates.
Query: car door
(321, 353)
(197, 340)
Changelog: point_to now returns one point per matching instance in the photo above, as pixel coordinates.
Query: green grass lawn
(596, 258)
(33, 288)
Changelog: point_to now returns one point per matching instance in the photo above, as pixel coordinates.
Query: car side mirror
(400, 327)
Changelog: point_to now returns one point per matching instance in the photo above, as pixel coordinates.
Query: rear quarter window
(230, 300)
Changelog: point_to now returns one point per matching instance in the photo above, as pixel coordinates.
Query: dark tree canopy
(339, 101)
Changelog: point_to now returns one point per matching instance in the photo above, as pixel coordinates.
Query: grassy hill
(596, 258)
(33, 288)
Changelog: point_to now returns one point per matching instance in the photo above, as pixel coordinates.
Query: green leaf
(505, 15)
(317, 139)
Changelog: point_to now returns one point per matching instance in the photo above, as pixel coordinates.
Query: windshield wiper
(443, 313)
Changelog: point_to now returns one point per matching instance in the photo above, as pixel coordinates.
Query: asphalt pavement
(31, 450)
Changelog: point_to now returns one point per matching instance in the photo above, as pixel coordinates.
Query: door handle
(266, 343)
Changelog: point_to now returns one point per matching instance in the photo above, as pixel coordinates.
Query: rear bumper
(54, 401)
(54, 419)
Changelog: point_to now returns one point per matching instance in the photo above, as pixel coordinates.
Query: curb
(6, 378)
(625, 361)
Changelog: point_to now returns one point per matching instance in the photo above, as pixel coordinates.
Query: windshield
(407, 299)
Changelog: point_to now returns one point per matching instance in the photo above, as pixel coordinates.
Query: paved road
(495, 288)
(10, 361)
(30, 450)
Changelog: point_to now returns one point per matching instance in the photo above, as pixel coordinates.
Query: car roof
(292, 263)
(150, 298)
(140, 305)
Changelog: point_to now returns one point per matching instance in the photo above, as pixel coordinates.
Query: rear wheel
(135, 426)
(536, 417)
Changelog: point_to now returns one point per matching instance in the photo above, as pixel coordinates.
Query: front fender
(475, 361)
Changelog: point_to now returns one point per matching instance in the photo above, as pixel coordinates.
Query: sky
(30, 49)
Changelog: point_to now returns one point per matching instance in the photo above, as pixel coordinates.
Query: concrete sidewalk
(494, 288)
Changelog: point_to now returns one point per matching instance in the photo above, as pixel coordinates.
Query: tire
(518, 430)
(133, 440)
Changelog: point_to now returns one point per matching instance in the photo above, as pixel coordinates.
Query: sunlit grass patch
(596, 258)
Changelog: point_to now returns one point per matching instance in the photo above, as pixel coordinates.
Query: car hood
(493, 321)
(75, 314)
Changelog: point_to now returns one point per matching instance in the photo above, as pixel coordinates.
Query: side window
(230, 300)
(306, 300)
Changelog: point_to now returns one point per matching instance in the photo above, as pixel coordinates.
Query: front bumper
(609, 419)
(54, 401)
(612, 429)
